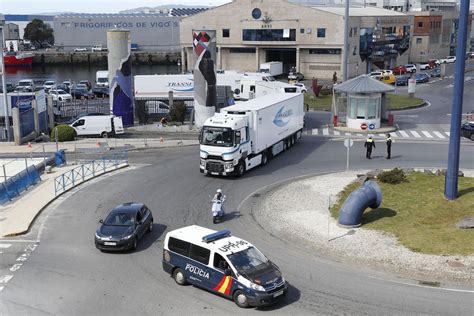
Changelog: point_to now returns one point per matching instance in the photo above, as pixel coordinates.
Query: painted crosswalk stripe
(439, 134)
(4, 246)
(427, 134)
(314, 131)
(5, 278)
(415, 133)
(348, 134)
(325, 131)
(336, 133)
(404, 134)
(360, 135)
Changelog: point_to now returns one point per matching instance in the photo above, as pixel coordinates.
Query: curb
(54, 199)
(421, 105)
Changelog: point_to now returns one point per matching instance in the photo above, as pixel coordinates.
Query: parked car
(60, 95)
(433, 63)
(10, 87)
(123, 227)
(80, 91)
(422, 78)
(48, 85)
(448, 60)
(410, 68)
(387, 72)
(25, 85)
(402, 81)
(436, 73)
(298, 76)
(425, 66)
(97, 48)
(467, 130)
(388, 79)
(301, 87)
(80, 49)
(87, 83)
(470, 55)
(376, 74)
(399, 70)
(62, 87)
(101, 92)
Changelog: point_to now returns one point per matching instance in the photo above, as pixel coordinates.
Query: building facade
(22, 20)
(11, 31)
(310, 38)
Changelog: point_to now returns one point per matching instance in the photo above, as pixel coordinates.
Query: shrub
(178, 111)
(65, 133)
(394, 176)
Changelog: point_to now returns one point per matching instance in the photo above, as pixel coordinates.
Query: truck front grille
(214, 167)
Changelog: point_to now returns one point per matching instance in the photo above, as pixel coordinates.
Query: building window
(269, 35)
(418, 40)
(226, 33)
(308, 30)
(321, 32)
(242, 50)
(325, 51)
(420, 24)
(301, 31)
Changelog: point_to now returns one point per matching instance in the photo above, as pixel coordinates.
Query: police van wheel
(240, 299)
(179, 277)
(103, 135)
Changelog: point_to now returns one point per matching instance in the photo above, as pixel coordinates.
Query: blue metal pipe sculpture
(369, 195)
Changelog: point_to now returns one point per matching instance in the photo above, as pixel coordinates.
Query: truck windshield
(217, 136)
(247, 260)
(102, 79)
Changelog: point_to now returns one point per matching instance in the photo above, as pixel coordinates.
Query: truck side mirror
(237, 138)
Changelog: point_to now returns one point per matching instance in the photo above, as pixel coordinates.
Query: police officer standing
(369, 143)
(389, 146)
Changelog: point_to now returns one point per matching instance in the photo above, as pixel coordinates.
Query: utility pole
(4, 86)
(451, 179)
(346, 42)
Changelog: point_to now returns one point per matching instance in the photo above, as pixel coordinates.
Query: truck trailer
(250, 133)
(274, 68)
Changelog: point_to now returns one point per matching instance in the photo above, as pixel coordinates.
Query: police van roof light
(216, 236)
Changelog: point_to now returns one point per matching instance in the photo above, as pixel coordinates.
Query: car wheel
(179, 277)
(150, 227)
(241, 299)
(240, 169)
(472, 137)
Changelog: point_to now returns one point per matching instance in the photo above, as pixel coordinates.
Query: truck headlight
(228, 165)
(257, 287)
(203, 162)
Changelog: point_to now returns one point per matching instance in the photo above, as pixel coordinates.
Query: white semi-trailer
(248, 134)
(274, 68)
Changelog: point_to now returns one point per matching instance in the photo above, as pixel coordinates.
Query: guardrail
(88, 171)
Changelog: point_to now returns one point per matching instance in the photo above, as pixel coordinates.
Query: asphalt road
(66, 275)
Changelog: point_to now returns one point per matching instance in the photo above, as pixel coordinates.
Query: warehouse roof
(174, 12)
(359, 11)
(363, 84)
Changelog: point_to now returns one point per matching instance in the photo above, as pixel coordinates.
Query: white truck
(251, 89)
(102, 78)
(248, 134)
(274, 68)
(103, 125)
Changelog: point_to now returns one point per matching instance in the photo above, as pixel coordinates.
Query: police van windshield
(248, 259)
(217, 136)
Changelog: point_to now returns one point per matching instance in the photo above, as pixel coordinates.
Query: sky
(90, 6)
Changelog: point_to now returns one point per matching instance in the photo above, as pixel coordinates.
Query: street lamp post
(346, 43)
(4, 86)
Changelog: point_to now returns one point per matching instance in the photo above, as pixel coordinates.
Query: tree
(39, 32)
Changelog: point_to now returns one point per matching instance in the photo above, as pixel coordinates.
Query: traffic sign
(348, 142)
(372, 126)
(363, 126)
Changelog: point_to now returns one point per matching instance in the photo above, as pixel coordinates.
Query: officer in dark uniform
(389, 146)
(369, 143)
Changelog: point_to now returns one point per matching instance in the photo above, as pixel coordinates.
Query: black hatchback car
(467, 130)
(123, 227)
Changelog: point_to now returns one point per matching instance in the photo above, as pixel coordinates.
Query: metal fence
(66, 111)
(88, 171)
(13, 186)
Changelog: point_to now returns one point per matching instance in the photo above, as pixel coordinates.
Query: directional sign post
(348, 142)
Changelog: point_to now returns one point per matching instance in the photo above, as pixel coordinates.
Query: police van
(224, 264)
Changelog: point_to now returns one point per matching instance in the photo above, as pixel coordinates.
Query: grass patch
(418, 215)
(395, 101)
(399, 101)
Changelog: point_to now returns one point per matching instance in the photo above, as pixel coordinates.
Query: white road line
(427, 134)
(404, 134)
(415, 133)
(439, 134)
(5, 278)
(448, 133)
(1, 288)
(360, 135)
(314, 131)
(18, 240)
(4, 246)
(336, 133)
(348, 134)
(325, 131)
(423, 286)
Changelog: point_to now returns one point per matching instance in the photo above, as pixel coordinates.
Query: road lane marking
(427, 134)
(19, 240)
(5, 246)
(415, 133)
(314, 131)
(5, 278)
(336, 133)
(423, 286)
(404, 134)
(1, 288)
(325, 131)
(439, 134)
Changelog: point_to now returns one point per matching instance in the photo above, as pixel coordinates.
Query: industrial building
(310, 38)
(157, 31)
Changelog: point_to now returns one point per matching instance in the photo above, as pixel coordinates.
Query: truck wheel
(103, 135)
(240, 169)
(264, 158)
(179, 277)
(240, 299)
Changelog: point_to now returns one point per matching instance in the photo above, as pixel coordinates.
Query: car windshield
(119, 219)
(248, 259)
(217, 136)
(102, 79)
(61, 92)
(24, 83)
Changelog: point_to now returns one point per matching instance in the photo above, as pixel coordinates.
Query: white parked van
(102, 78)
(102, 125)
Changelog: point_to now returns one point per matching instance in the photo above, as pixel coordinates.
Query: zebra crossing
(400, 134)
